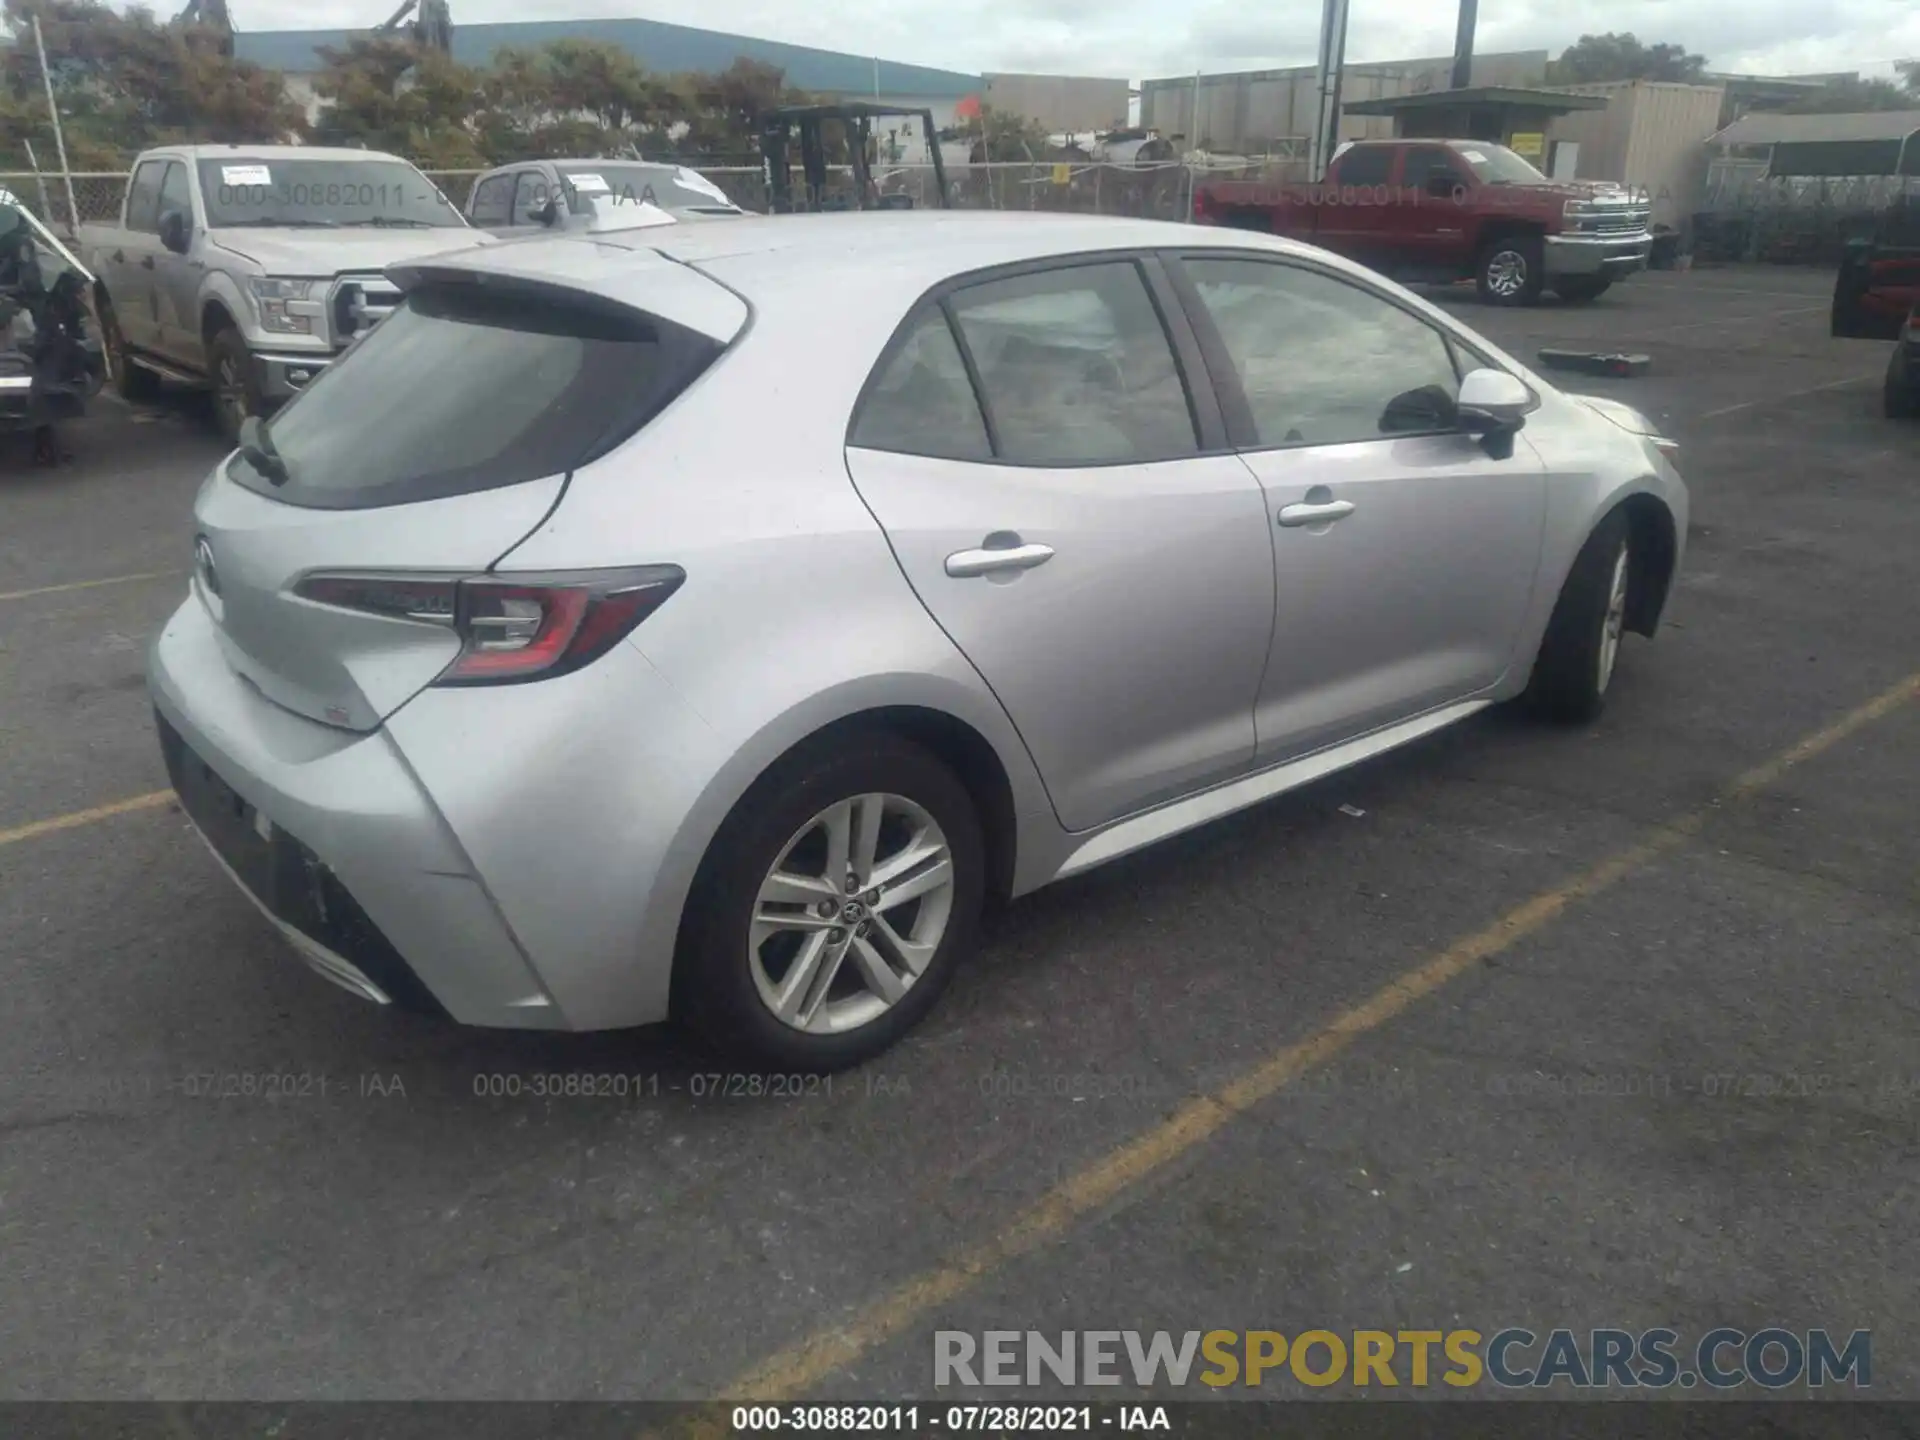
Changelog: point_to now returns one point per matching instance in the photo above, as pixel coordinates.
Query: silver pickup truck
(246, 269)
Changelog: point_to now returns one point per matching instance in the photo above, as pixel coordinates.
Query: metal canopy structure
(1871, 143)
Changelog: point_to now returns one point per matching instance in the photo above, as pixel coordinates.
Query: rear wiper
(256, 448)
(276, 224)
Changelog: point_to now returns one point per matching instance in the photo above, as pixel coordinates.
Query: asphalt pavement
(1610, 1027)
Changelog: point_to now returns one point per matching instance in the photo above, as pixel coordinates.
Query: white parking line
(1768, 399)
(91, 584)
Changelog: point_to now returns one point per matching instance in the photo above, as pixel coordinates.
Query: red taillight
(512, 628)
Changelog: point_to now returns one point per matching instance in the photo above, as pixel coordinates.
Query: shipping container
(1652, 138)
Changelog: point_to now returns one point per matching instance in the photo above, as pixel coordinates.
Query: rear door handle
(965, 564)
(119, 257)
(1295, 515)
(146, 262)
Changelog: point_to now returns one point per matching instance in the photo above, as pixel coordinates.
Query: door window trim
(1204, 409)
(160, 207)
(1236, 409)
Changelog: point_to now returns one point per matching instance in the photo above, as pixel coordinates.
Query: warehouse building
(660, 47)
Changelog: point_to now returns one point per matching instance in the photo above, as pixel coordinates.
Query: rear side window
(1367, 165)
(1076, 368)
(458, 391)
(921, 402)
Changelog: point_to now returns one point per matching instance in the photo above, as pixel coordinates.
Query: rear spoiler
(597, 271)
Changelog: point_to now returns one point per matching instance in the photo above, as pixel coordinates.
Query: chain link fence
(1161, 192)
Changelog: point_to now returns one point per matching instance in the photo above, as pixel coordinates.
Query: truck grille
(1616, 222)
(359, 303)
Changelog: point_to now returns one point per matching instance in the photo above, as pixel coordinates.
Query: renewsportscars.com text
(1513, 1358)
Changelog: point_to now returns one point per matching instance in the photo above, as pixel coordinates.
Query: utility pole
(1327, 71)
(1463, 44)
(59, 140)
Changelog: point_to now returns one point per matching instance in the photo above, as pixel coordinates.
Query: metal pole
(1193, 130)
(46, 205)
(1332, 60)
(59, 140)
(1463, 44)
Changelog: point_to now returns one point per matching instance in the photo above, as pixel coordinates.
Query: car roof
(286, 152)
(916, 249)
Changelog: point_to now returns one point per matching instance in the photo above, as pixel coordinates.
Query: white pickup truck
(246, 269)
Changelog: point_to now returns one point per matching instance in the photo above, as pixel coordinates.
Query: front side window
(1075, 367)
(1324, 362)
(175, 195)
(269, 191)
(1430, 168)
(530, 192)
(143, 196)
(921, 402)
(493, 200)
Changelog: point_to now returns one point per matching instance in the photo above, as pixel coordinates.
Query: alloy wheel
(1507, 273)
(851, 913)
(1615, 621)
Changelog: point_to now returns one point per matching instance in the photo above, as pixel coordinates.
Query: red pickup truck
(1439, 211)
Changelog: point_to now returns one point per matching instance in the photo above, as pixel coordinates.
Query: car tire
(1510, 270)
(1581, 290)
(1901, 398)
(131, 382)
(1578, 655)
(236, 389)
(732, 974)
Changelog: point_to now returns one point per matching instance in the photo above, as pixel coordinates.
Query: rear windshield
(459, 391)
(269, 191)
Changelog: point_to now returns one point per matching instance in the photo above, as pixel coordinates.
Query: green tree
(572, 97)
(1853, 95)
(996, 136)
(393, 94)
(1622, 57)
(125, 81)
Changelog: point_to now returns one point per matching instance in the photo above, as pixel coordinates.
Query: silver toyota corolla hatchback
(707, 621)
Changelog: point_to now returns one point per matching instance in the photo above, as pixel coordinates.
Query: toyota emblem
(204, 566)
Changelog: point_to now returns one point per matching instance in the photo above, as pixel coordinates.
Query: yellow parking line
(91, 584)
(78, 818)
(792, 1372)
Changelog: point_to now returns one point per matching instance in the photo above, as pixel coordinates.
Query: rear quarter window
(458, 391)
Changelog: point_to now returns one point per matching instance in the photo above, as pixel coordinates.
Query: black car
(1876, 296)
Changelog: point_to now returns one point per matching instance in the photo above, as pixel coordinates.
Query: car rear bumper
(1608, 255)
(331, 835)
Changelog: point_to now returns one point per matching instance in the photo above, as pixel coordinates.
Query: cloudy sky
(1138, 39)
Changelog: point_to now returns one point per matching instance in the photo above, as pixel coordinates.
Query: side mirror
(1492, 400)
(175, 231)
(548, 213)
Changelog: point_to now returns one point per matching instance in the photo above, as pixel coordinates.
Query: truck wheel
(1510, 270)
(236, 393)
(130, 381)
(1902, 395)
(1582, 289)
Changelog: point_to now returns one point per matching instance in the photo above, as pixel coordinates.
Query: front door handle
(119, 257)
(1293, 515)
(964, 564)
(146, 262)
